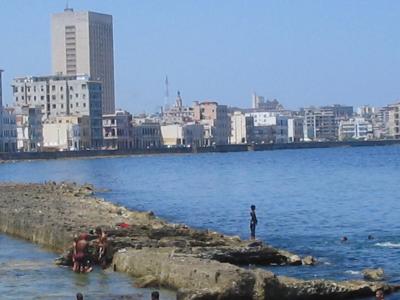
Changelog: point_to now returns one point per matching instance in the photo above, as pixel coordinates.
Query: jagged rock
(308, 261)
(146, 281)
(374, 274)
(295, 260)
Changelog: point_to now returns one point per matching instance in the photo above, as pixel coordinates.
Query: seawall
(178, 150)
(198, 264)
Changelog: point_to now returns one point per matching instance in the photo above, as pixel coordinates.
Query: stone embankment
(199, 264)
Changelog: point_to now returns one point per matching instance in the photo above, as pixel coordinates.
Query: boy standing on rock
(253, 222)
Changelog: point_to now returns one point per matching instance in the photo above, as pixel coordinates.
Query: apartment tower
(82, 43)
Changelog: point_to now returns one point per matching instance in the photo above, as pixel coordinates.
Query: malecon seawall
(178, 150)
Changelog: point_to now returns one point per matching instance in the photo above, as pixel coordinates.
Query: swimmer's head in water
(79, 296)
(253, 207)
(379, 295)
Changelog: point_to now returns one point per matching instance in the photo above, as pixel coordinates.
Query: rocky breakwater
(200, 264)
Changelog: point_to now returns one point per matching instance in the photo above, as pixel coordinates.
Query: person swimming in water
(253, 222)
(80, 254)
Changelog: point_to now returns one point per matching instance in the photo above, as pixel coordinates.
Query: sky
(302, 53)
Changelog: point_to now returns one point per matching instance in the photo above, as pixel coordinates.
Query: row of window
(53, 88)
(53, 97)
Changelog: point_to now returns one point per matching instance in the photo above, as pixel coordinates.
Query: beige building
(216, 122)
(82, 43)
(70, 133)
(241, 128)
(188, 135)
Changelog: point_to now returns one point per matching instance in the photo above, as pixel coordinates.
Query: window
(84, 104)
(41, 97)
(16, 99)
(83, 86)
(53, 87)
(54, 106)
(77, 104)
(71, 88)
(62, 96)
(76, 95)
(61, 88)
(34, 98)
(62, 105)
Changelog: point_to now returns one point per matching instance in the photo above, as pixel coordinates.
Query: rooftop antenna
(166, 91)
(67, 8)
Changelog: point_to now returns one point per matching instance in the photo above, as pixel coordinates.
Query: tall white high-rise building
(82, 43)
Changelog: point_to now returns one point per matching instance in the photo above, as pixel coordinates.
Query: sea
(306, 201)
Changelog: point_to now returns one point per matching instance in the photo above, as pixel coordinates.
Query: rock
(374, 274)
(308, 261)
(255, 244)
(146, 281)
(294, 260)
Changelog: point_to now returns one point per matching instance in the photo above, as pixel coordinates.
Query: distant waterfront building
(259, 102)
(261, 118)
(146, 134)
(393, 122)
(242, 127)
(29, 128)
(295, 129)
(278, 121)
(320, 124)
(366, 111)
(63, 96)
(340, 111)
(216, 122)
(355, 128)
(188, 135)
(69, 133)
(82, 43)
(177, 114)
(8, 129)
(264, 134)
(117, 130)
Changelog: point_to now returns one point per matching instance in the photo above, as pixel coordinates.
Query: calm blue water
(28, 272)
(306, 199)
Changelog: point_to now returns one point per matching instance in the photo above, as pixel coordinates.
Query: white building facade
(60, 96)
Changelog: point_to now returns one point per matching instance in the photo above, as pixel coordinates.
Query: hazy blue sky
(300, 52)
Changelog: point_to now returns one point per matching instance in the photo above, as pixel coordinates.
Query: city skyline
(343, 54)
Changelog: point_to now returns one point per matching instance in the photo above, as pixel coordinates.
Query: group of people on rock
(82, 259)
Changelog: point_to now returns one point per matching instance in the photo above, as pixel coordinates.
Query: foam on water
(388, 245)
